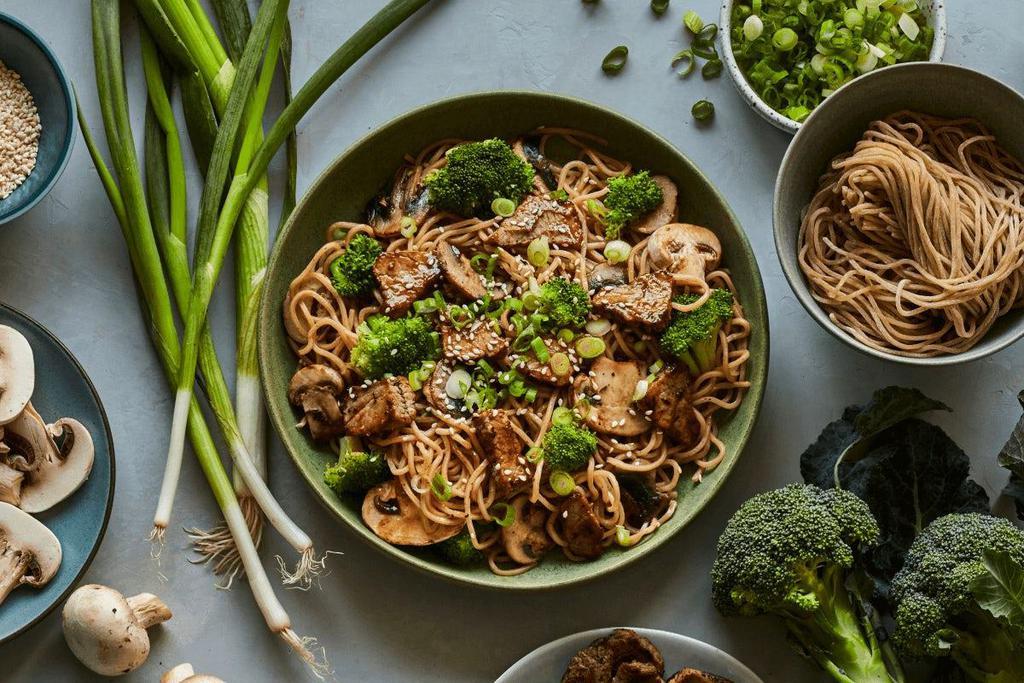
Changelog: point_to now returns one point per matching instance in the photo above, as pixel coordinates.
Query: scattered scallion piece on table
(703, 110)
(693, 22)
(615, 60)
(712, 68)
(659, 7)
(687, 60)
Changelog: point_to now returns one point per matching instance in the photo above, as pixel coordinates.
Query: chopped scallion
(441, 487)
(562, 415)
(540, 349)
(693, 22)
(659, 7)
(560, 364)
(538, 252)
(562, 482)
(703, 110)
(615, 60)
(617, 251)
(590, 347)
(409, 227)
(503, 514)
(503, 207)
(688, 62)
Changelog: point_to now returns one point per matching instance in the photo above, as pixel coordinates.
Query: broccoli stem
(837, 636)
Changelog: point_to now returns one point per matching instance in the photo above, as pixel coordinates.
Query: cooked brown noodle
(913, 242)
(322, 327)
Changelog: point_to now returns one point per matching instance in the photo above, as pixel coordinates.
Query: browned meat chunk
(609, 389)
(470, 343)
(526, 540)
(646, 301)
(668, 399)
(697, 676)
(458, 273)
(316, 389)
(580, 526)
(435, 390)
(540, 217)
(622, 657)
(380, 407)
(504, 449)
(404, 277)
(542, 372)
(606, 275)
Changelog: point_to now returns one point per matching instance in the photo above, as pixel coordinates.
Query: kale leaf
(1012, 458)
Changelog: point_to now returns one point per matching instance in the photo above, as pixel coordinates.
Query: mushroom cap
(684, 248)
(20, 530)
(17, 373)
(56, 472)
(526, 540)
(407, 526)
(314, 377)
(104, 632)
(178, 674)
(202, 678)
(666, 212)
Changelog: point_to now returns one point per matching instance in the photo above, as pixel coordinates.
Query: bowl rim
(270, 309)
(108, 508)
(70, 108)
(784, 123)
(795, 277)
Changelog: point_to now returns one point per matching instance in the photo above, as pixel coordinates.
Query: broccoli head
(629, 197)
(693, 337)
(565, 302)
(568, 446)
(356, 470)
(476, 174)
(459, 550)
(394, 347)
(936, 612)
(352, 272)
(790, 553)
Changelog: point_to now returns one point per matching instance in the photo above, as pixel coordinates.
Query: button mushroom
(526, 540)
(184, 673)
(17, 373)
(687, 251)
(29, 552)
(666, 212)
(49, 472)
(608, 389)
(316, 389)
(396, 518)
(107, 632)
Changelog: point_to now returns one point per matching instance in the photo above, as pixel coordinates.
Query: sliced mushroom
(63, 467)
(667, 211)
(107, 631)
(184, 673)
(316, 389)
(687, 251)
(29, 552)
(608, 389)
(606, 275)
(17, 373)
(526, 541)
(459, 274)
(396, 518)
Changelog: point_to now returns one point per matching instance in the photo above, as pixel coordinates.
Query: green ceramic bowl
(343, 191)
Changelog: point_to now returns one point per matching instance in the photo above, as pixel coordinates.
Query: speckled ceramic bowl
(935, 10)
(342, 192)
(22, 50)
(834, 128)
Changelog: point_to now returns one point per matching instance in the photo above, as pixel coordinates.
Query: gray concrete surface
(65, 264)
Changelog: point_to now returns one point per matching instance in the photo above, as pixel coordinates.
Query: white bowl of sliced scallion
(785, 59)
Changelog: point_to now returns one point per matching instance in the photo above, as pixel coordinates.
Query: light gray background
(65, 264)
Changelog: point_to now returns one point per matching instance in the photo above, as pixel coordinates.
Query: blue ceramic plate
(548, 662)
(22, 50)
(63, 390)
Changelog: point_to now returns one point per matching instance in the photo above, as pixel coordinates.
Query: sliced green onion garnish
(753, 27)
(424, 306)
(853, 18)
(479, 262)
(562, 482)
(693, 21)
(537, 252)
(559, 195)
(531, 300)
(704, 51)
(656, 367)
(640, 346)
(562, 415)
(590, 347)
(503, 207)
(458, 384)
(441, 487)
(599, 327)
(596, 209)
(623, 537)
(534, 454)
(517, 388)
(560, 364)
(514, 305)
(641, 390)
(659, 7)
(416, 379)
(909, 26)
(686, 57)
(712, 68)
(459, 316)
(484, 369)
(507, 377)
(784, 39)
(703, 110)
(707, 34)
(504, 515)
(409, 227)
(566, 335)
(615, 60)
(540, 349)
(531, 395)
(617, 251)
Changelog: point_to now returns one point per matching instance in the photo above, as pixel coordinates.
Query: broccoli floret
(459, 550)
(790, 553)
(693, 337)
(352, 272)
(565, 302)
(629, 197)
(567, 446)
(476, 174)
(394, 347)
(356, 470)
(936, 613)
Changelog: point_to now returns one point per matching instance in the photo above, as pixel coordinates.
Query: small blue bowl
(22, 50)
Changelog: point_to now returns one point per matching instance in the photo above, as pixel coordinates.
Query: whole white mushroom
(107, 631)
(184, 673)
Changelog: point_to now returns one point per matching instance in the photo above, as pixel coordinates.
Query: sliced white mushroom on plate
(53, 461)
(30, 554)
(17, 373)
(687, 251)
(396, 518)
(107, 631)
(184, 673)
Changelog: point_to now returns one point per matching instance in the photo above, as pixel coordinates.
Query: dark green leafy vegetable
(615, 60)
(1000, 590)
(1012, 458)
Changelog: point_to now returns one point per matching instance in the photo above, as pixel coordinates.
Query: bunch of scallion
(224, 92)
